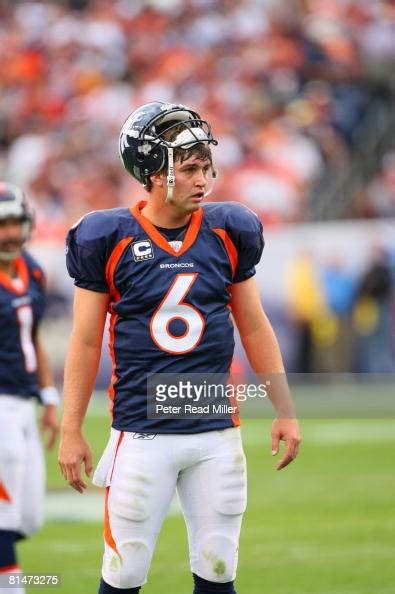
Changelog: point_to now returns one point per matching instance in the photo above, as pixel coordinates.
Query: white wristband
(49, 395)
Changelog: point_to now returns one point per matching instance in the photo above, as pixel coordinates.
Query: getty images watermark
(197, 395)
(319, 395)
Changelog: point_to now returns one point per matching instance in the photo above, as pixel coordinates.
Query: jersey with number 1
(169, 301)
(22, 301)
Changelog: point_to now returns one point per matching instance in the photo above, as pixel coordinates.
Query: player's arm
(49, 394)
(263, 352)
(82, 362)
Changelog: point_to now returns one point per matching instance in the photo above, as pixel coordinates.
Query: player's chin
(188, 206)
(8, 252)
(194, 203)
(193, 207)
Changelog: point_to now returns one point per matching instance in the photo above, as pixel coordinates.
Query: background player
(168, 270)
(24, 377)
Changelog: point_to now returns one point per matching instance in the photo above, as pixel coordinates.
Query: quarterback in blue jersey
(172, 272)
(25, 377)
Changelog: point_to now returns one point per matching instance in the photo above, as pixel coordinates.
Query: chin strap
(171, 179)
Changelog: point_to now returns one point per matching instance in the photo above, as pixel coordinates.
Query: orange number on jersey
(171, 308)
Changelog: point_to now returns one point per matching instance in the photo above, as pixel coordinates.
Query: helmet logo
(132, 119)
(144, 148)
(123, 142)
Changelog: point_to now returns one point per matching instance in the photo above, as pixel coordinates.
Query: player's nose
(7, 233)
(11, 235)
(200, 179)
(10, 229)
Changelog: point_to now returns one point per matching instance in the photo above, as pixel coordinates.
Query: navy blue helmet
(13, 205)
(144, 144)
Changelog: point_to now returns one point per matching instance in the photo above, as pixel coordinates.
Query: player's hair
(200, 150)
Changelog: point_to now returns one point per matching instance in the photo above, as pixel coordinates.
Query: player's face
(192, 177)
(11, 236)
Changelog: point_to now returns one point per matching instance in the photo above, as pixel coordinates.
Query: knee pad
(128, 568)
(217, 558)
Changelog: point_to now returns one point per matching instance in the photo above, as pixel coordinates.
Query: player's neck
(164, 215)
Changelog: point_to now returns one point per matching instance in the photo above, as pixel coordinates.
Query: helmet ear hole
(159, 157)
(142, 164)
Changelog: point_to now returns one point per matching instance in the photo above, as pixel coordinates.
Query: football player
(170, 271)
(25, 377)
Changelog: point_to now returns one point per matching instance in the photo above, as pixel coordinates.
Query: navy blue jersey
(169, 301)
(22, 301)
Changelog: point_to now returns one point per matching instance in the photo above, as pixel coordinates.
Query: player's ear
(158, 179)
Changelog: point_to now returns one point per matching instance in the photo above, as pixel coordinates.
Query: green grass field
(324, 525)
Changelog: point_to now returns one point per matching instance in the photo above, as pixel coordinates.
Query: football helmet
(144, 147)
(13, 205)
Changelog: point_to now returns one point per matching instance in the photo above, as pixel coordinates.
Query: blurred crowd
(285, 84)
(377, 199)
(340, 319)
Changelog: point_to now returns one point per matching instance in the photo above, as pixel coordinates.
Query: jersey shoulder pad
(244, 229)
(89, 245)
(30, 260)
(232, 216)
(35, 269)
(97, 225)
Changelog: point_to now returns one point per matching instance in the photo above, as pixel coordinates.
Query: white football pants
(22, 470)
(207, 470)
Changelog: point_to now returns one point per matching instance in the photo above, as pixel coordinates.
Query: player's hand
(285, 430)
(49, 424)
(74, 450)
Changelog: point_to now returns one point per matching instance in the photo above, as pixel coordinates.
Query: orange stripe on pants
(4, 494)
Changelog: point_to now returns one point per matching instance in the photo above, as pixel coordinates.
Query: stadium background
(301, 96)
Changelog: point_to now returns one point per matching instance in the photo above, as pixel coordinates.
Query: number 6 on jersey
(172, 308)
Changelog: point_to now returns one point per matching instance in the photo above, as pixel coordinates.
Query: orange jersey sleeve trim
(115, 296)
(113, 262)
(229, 247)
(114, 377)
(22, 272)
(39, 276)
